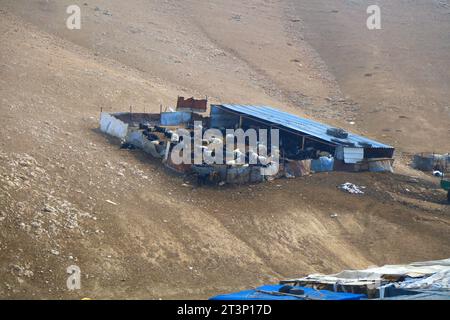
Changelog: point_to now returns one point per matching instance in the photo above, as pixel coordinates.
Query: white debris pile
(352, 188)
(438, 281)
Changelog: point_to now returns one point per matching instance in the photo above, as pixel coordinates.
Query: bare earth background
(58, 174)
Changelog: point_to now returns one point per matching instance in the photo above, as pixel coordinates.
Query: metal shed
(350, 147)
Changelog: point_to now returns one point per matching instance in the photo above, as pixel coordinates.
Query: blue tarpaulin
(272, 292)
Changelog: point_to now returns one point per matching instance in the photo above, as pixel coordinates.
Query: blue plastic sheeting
(175, 118)
(310, 293)
(323, 164)
(300, 125)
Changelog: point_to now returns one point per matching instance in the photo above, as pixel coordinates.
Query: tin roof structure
(300, 125)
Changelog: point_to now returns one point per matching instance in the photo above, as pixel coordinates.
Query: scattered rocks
(236, 17)
(21, 271)
(104, 12)
(48, 209)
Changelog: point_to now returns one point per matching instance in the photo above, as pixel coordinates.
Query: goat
(262, 148)
(229, 137)
(238, 153)
(151, 136)
(215, 141)
(160, 129)
(252, 157)
(263, 160)
(175, 137)
(275, 152)
(202, 148)
(209, 153)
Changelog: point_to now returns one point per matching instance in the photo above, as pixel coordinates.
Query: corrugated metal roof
(301, 125)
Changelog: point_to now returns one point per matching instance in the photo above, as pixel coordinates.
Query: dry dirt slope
(231, 51)
(161, 239)
(399, 75)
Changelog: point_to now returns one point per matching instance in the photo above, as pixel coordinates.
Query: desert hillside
(70, 196)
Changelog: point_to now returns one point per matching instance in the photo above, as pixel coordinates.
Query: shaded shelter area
(302, 138)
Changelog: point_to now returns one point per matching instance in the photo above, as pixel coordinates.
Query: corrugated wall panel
(353, 155)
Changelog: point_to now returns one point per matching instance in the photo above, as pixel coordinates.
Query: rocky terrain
(70, 196)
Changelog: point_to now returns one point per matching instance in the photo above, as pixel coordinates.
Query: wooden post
(303, 142)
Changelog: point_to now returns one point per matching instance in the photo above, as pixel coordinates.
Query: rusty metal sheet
(192, 104)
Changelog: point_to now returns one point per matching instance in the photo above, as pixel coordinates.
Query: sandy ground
(69, 195)
(399, 75)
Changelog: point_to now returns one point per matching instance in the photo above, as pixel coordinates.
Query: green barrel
(445, 184)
